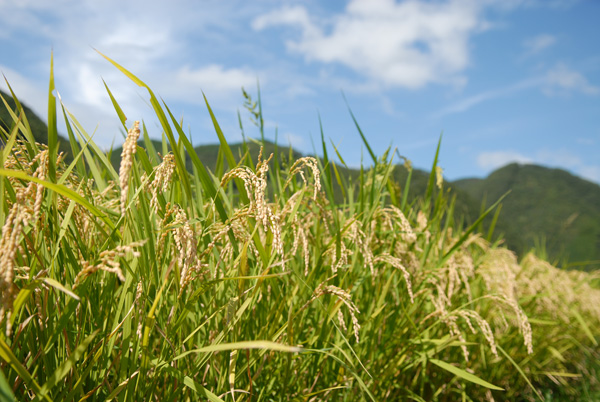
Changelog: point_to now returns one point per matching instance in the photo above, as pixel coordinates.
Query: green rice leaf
(360, 132)
(118, 109)
(199, 389)
(463, 374)
(7, 355)
(267, 345)
(21, 121)
(58, 286)
(510, 359)
(584, 326)
(52, 128)
(6, 394)
(431, 182)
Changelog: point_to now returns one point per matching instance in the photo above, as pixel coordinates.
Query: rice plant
(255, 282)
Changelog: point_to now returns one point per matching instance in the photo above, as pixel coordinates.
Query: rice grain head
(439, 177)
(345, 298)
(129, 149)
(108, 261)
(163, 174)
(297, 168)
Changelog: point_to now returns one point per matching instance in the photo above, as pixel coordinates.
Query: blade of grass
(11, 359)
(115, 104)
(464, 374)
(520, 372)
(432, 174)
(360, 131)
(199, 389)
(267, 345)
(6, 394)
(52, 128)
(584, 326)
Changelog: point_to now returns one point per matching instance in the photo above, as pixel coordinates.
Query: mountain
(548, 208)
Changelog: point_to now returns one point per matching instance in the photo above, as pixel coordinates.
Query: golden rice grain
(129, 149)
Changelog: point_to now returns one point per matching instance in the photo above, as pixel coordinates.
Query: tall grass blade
(520, 370)
(227, 151)
(373, 157)
(464, 374)
(117, 107)
(586, 329)
(52, 127)
(432, 174)
(199, 389)
(7, 355)
(6, 394)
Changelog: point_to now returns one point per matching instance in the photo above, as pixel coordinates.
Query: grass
(254, 283)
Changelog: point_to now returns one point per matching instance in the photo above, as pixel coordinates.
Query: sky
(501, 80)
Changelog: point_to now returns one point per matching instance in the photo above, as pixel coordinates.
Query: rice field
(254, 283)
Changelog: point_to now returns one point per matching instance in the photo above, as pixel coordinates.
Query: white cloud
(467, 103)
(408, 44)
(495, 159)
(562, 79)
(216, 81)
(295, 16)
(538, 43)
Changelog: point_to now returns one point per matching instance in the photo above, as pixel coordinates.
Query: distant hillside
(547, 206)
(38, 126)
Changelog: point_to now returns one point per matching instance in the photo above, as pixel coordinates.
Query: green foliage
(252, 276)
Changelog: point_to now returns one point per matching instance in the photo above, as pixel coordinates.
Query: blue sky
(505, 80)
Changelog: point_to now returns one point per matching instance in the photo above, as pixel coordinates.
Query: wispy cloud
(216, 81)
(408, 44)
(562, 79)
(467, 103)
(538, 43)
(559, 80)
